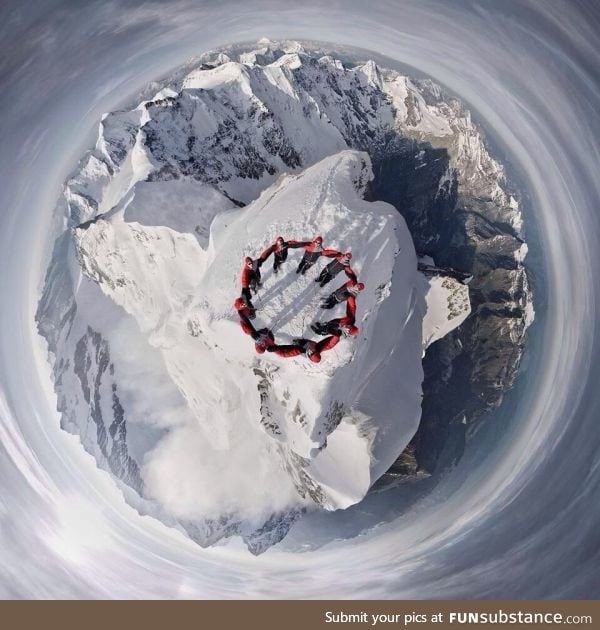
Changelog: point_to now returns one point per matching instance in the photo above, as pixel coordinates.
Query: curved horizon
(514, 519)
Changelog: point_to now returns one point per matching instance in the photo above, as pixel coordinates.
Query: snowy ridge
(315, 421)
(239, 123)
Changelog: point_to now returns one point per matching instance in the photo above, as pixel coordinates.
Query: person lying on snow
(263, 340)
(280, 250)
(340, 262)
(248, 303)
(350, 288)
(312, 349)
(312, 252)
(250, 278)
(341, 326)
(245, 313)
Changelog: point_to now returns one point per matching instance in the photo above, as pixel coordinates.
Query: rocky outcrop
(465, 221)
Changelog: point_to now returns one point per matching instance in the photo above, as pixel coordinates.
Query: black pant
(324, 277)
(308, 260)
(335, 298)
(255, 281)
(328, 328)
(280, 258)
(329, 302)
(247, 297)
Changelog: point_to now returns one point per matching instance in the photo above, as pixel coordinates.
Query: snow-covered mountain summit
(236, 123)
(298, 432)
(151, 368)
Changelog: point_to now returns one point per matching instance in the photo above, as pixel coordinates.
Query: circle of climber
(330, 331)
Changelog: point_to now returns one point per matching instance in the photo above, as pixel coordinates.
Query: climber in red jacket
(250, 278)
(263, 340)
(312, 349)
(341, 326)
(245, 313)
(350, 288)
(280, 250)
(312, 252)
(341, 261)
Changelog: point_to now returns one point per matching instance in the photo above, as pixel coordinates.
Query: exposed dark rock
(93, 368)
(468, 371)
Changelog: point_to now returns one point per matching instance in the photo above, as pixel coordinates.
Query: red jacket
(311, 348)
(350, 310)
(267, 252)
(342, 293)
(345, 325)
(279, 248)
(350, 273)
(318, 247)
(318, 347)
(263, 340)
(338, 263)
(326, 344)
(245, 323)
(248, 274)
(347, 329)
(288, 351)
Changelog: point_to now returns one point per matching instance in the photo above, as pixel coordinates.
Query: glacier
(151, 369)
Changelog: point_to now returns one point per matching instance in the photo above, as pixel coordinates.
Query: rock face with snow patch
(150, 366)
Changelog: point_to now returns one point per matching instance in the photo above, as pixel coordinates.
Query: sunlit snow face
(84, 65)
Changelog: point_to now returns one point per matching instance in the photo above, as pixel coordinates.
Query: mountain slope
(310, 433)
